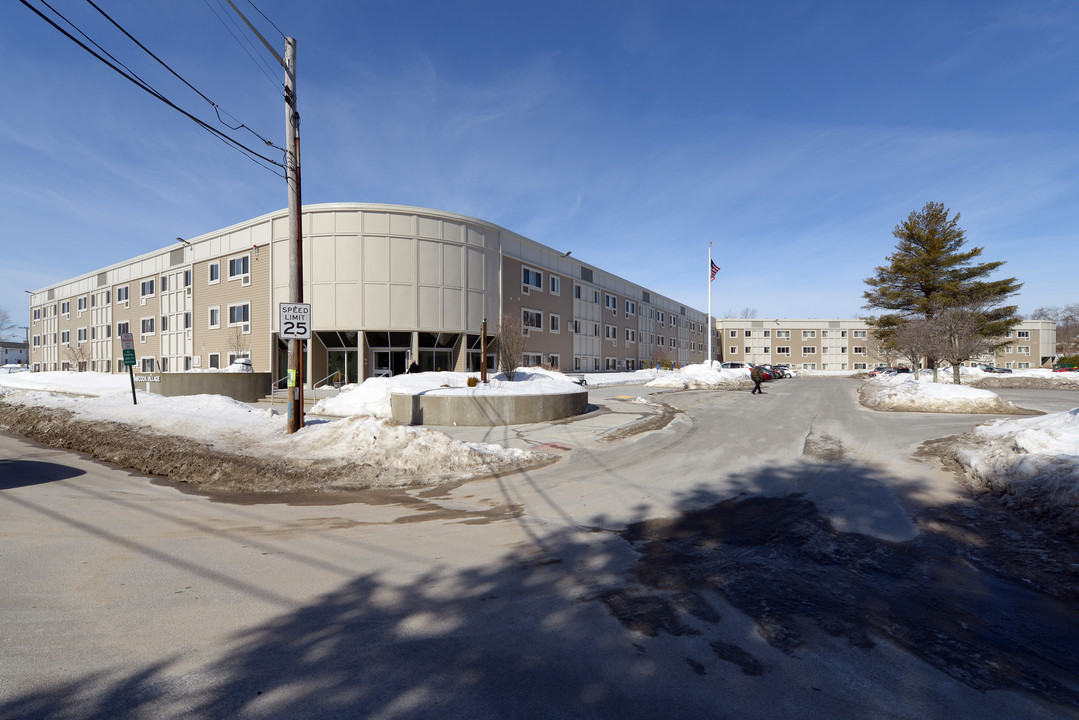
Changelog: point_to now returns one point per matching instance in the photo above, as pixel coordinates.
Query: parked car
(736, 366)
(1066, 369)
(996, 370)
(879, 370)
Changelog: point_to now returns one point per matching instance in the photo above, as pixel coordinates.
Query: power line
(249, 2)
(217, 108)
(232, 142)
(260, 63)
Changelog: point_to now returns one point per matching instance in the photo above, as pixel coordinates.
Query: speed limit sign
(295, 321)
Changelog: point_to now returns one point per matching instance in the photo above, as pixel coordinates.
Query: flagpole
(709, 305)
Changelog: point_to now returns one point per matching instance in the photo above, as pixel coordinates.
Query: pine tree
(930, 269)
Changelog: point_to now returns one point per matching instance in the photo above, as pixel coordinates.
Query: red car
(1067, 369)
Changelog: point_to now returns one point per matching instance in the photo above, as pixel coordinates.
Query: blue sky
(793, 136)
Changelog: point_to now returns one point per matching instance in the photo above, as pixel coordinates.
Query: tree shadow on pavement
(736, 607)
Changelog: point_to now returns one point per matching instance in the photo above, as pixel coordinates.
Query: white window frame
(212, 312)
(531, 319)
(556, 285)
(859, 334)
(210, 361)
(245, 323)
(244, 265)
(554, 323)
(784, 350)
(808, 334)
(142, 326)
(531, 278)
(808, 350)
(142, 288)
(213, 273)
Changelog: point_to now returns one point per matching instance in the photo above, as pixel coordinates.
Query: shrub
(473, 381)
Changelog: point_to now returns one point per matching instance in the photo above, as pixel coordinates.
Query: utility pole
(295, 239)
(295, 229)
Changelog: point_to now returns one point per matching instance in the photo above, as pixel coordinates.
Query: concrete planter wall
(485, 410)
(245, 387)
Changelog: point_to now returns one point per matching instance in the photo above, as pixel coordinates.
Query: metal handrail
(335, 373)
(273, 388)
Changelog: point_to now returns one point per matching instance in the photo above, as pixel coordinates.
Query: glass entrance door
(390, 362)
(344, 364)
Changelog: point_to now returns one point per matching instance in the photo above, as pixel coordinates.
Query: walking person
(757, 376)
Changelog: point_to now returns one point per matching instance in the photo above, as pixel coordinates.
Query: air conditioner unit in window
(247, 328)
(524, 290)
(246, 280)
(187, 290)
(142, 301)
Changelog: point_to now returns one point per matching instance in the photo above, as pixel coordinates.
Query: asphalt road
(775, 556)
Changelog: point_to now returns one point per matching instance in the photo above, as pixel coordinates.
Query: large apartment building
(388, 285)
(850, 344)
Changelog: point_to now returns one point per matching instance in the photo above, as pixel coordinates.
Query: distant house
(14, 353)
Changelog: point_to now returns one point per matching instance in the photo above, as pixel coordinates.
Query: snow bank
(1033, 463)
(701, 376)
(84, 383)
(237, 428)
(372, 396)
(907, 393)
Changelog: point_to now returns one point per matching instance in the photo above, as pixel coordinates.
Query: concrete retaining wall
(485, 410)
(245, 387)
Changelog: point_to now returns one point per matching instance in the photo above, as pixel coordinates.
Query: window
(673, 342)
(238, 267)
(734, 350)
(783, 334)
(215, 360)
(595, 301)
(37, 340)
(749, 333)
(610, 332)
(859, 350)
(631, 308)
(187, 278)
(806, 334)
(531, 359)
(611, 363)
(661, 317)
(164, 323)
(555, 320)
(1023, 349)
(843, 334)
(631, 335)
(734, 333)
(556, 285)
(595, 330)
(577, 296)
(530, 277)
(65, 337)
(122, 328)
(164, 283)
(767, 333)
(215, 273)
(1022, 366)
(82, 335)
(1008, 350)
(808, 350)
(767, 349)
(187, 320)
(239, 314)
(65, 307)
(121, 293)
(146, 289)
(660, 340)
(37, 313)
(532, 319)
(859, 366)
(783, 350)
(147, 326)
(610, 301)
(809, 366)
(1022, 333)
(215, 317)
(858, 334)
(147, 364)
(553, 360)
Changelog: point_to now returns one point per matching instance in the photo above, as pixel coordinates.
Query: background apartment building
(850, 344)
(388, 285)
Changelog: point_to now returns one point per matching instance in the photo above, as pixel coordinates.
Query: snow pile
(701, 376)
(417, 454)
(1033, 463)
(372, 396)
(84, 383)
(629, 377)
(908, 393)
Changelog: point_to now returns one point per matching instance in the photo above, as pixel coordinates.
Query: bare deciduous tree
(511, 342)
(957, 335)
(1067, 322)
(7, 325)
(78, 355)
(915, 340)
(749, 313)
(239, 344)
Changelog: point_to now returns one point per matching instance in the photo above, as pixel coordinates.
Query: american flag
(715, 269)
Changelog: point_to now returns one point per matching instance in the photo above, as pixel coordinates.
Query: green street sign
(129, 357)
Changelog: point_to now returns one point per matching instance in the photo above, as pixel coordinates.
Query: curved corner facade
(388, 285)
